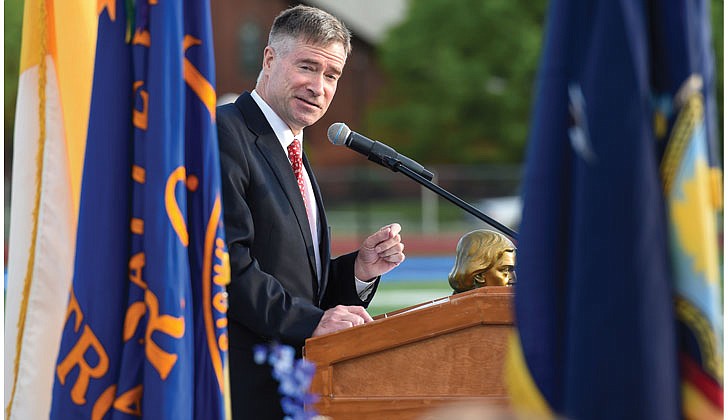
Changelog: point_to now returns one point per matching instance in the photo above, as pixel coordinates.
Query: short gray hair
(310, 25)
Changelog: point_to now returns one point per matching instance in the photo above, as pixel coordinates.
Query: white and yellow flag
(54, 91)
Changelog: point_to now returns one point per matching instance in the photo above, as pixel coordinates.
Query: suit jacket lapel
(324, 236)
(271, 149)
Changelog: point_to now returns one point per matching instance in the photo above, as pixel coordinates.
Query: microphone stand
(397, 166)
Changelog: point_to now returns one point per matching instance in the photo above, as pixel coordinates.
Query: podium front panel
(468, 362)
(399, 367)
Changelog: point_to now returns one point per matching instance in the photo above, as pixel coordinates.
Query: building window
(249, 49)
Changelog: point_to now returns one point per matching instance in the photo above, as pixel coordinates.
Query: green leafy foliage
(716, 15)
(13, 23)
(461, 80)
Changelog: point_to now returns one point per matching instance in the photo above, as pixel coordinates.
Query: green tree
(13, 25)
(716, 13)
(461, 80)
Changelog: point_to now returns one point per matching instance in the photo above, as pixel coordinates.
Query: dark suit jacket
(274, 293)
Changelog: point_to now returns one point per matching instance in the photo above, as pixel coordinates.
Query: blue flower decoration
(294, 377)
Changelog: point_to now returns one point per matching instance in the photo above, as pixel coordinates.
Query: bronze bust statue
(484, 258)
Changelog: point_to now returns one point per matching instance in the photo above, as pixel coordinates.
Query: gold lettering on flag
(141, 118)
(75, 308)
(110, 5)
(222, 277)
(167, 324)
(130, 402)
(103, 403)
(196, 81)
(75, 358)
(170, 202)
(136, 264)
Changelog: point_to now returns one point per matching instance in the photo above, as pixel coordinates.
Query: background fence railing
(361, 199)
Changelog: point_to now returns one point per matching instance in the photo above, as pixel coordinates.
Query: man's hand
(341, 317)
(379, 253)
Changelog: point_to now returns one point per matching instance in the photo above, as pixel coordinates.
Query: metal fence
(359, 199)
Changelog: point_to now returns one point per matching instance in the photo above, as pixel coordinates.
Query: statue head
(484, 258)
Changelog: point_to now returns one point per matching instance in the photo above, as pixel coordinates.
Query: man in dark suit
(284, 285)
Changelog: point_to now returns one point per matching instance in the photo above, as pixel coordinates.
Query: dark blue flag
(683, 74)
(145, 332)
(595, 303)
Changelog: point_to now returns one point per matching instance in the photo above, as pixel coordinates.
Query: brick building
(240, 30)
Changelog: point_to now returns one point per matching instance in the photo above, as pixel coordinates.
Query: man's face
(501, 274)
(300, 83)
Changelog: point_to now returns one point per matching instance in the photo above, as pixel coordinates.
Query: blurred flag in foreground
(145, 332)
(618, 304)
(686, 124)
(54, 91)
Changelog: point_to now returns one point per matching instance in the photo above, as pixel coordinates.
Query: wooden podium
(407, 362)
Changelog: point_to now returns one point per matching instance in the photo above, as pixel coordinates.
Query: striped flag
(619, 239)
(54, 92)
(145, 332)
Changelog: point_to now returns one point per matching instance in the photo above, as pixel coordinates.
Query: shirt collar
(280, 128)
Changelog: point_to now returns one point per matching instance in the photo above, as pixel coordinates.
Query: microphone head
(338, 133)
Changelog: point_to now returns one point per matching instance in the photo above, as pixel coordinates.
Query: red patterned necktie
(294, 154)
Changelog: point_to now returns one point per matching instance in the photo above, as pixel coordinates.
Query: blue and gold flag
(145, 330)
(686, 130)
(618, 305)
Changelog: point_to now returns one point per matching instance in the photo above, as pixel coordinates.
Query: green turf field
(401, 294)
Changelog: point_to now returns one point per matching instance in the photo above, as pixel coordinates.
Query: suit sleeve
(341, 288)
(257, 300)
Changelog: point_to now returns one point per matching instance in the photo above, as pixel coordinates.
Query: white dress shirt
(285, 137)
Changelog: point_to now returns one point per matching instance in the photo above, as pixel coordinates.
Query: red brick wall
(358, 87)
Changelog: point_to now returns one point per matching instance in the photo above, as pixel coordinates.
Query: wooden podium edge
(397, 407)
(492, 290)
(395, 328)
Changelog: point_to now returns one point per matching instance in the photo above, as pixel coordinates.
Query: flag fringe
(42, 68)
(690, 116)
